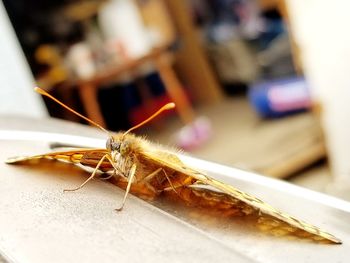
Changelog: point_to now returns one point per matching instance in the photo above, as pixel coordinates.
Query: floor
(316, 177)
(278, 148)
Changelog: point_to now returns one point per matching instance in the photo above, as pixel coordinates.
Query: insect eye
(112, 145)
(109, 143)
(115, 146)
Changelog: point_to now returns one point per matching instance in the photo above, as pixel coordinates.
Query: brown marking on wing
(271, 212)
(251, 203)
(91, 158)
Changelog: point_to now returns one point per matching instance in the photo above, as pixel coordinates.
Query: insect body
(148, 170)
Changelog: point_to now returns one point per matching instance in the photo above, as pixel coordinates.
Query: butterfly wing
(270, 215)
(85, 157)
(90, 158)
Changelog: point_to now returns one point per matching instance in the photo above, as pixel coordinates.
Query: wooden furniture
(172, 20)
(191, 64)
(277, 148)
(160, 58)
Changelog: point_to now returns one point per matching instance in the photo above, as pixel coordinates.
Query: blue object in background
(279, 98)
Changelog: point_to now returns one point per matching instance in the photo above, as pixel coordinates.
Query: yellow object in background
(49, 55)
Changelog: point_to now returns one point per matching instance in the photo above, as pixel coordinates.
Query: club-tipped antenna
(44, 93)
(167, 106)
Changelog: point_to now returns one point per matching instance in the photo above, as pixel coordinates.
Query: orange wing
(85, 157)
(248, 203)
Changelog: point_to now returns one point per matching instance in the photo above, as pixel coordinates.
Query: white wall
(16, 82)
(321, 28)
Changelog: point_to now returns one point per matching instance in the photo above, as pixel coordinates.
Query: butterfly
(149, 170)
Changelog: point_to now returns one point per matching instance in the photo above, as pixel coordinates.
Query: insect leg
(186, 182)
(151, 175)
(109, 176)
(112, 162)
(171, 184)
(130, 180)
(92, 176)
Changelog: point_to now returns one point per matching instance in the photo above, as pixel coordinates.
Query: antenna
(167, 106)
(43, 92)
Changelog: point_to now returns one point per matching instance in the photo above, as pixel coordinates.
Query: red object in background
(143, 111)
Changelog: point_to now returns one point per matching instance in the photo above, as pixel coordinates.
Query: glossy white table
(40, 223)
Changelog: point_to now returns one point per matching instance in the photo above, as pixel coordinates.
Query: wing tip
(15, 159)
(335, 240)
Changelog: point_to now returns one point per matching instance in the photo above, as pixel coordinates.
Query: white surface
(39, 223)
(320, 29)
(225, 171)
(16, 81)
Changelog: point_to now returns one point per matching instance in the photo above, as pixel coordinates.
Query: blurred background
(259, 84)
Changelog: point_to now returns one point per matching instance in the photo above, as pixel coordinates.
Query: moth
(149, 170)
